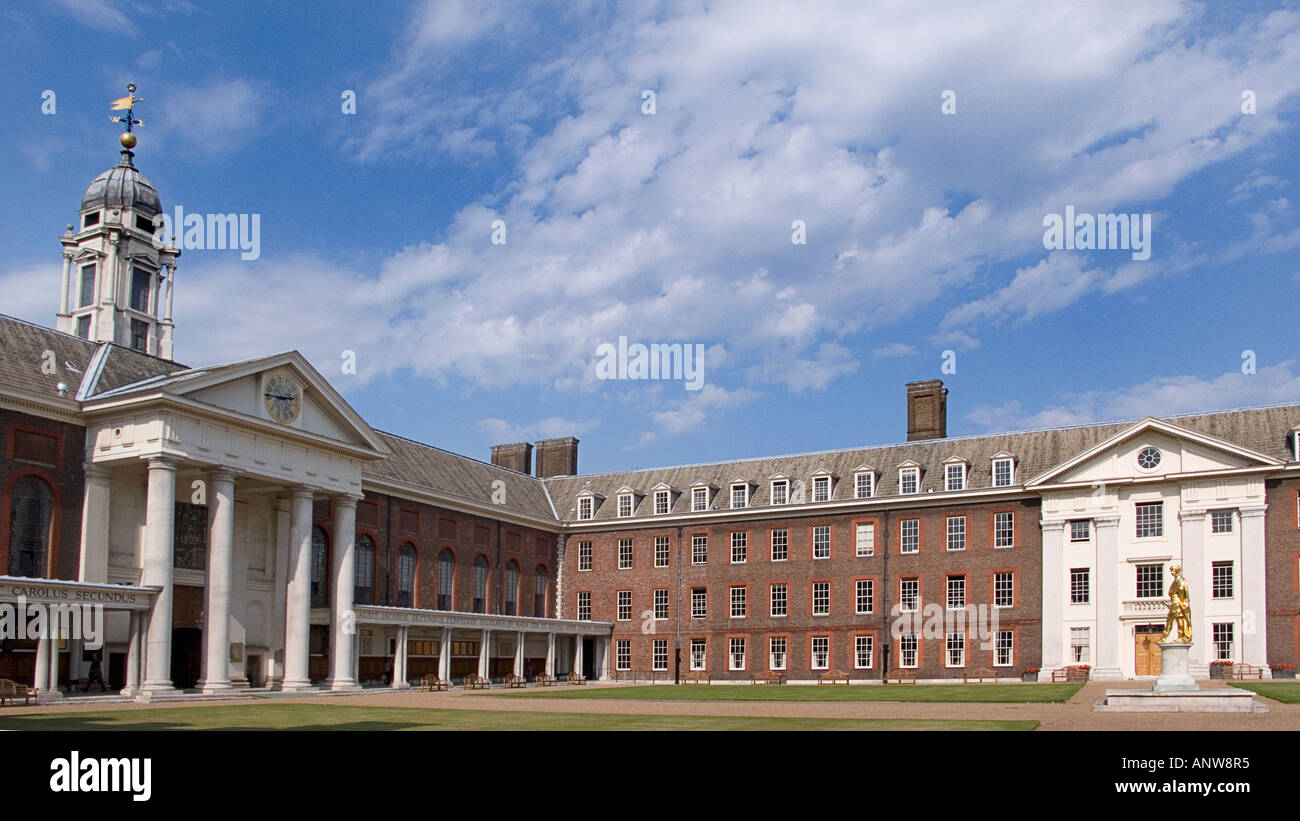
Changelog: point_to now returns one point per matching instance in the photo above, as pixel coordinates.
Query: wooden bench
(11, 690)
(516, 682)
(474, 681)
(431, 682)
(1241, 672)
(979, 676)
(696, 677)
(901, 677)
(768, 677)
(833, 677)
(1070, 674)
(545, 680)
(575, 678)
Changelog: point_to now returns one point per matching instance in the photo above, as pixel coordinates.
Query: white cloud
(1162, 396)
(504, 432)
(688, 415)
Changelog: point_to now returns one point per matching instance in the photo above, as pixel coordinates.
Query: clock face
(283, 399)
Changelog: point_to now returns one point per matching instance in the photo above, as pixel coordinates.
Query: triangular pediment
(240, 389)
(1149, 449)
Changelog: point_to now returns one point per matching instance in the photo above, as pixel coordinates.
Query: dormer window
(909, 480)
(699, 499)
(740, 495)
(1004, 471)
(90, 219)
(144, 223)
(864, 485)
(586, 507)
(624, 505)
(662, 502)
(954, 476)
(780, 491)
(821, 488)
(1295, 444)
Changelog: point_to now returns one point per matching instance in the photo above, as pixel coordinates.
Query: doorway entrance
(589, 658)
(1146, 650)
(187, 645)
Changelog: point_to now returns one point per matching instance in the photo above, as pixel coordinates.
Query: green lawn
(985, 693)
(323, 717)
(1287, 692)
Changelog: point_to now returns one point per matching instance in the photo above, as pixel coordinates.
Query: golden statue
(1180, 609)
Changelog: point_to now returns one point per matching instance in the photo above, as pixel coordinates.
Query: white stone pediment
(240, 388)
(1181, 452)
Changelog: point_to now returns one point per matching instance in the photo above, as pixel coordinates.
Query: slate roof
(451, 474)
(22, 347)
(1261, 429)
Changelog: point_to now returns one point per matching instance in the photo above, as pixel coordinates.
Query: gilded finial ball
(128, 140)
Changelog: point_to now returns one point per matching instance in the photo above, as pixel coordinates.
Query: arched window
(539, 593)
(406, 575)
(365, 573)
(32, 511)
(512, 589)
(320, 562)
(446, 574)
(480, 584)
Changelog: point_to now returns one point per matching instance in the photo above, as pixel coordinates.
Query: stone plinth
(1174, 677)
(1225, 700)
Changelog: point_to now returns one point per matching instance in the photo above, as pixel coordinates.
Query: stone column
(1254, 615)
(297, 625)
(550, 654)
(484, 653)
(444, 655)
(399, 658)
(519, 654)
(1192, 534)
(577, 654)
(94, 525)
(41, 676)
(602, 649)
(53, 693)
(221, 551)
(1053, 597)
(160, 514)
(276, 634)
(133, 632)
(343, 566)
(63, 292)
(1108, 621)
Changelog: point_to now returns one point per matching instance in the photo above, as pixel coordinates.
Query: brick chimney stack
(517, 457)
(927, 410)
(557, 457)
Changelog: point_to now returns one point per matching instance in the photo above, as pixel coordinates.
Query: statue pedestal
(1174, 677)
(1176, 691)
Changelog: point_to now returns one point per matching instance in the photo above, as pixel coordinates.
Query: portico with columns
(1118, 517)
(489, 645)
(240, 453)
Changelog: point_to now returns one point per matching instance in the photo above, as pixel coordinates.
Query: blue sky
(924, 230)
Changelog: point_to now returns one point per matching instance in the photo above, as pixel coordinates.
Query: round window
(1148, 458)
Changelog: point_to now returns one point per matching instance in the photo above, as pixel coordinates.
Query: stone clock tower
(117, 285)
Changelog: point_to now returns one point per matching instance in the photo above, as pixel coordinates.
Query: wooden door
(1146, 650)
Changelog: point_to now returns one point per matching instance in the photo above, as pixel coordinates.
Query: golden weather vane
(127, 104)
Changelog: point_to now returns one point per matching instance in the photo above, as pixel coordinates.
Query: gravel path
(1076, 714)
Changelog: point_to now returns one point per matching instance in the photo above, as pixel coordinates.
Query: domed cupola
(122, 186)
(118, 275)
